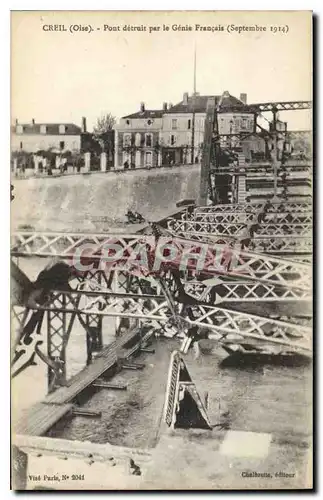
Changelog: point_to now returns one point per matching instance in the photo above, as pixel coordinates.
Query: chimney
(33, 121)
(226, 93)
(243, 98)
(84, 125)
(185, 98)
(164, 106)
(142, 107)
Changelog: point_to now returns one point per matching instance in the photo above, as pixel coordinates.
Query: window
(21, 145)
(61, 129)
(138, 140)
(43, 129)
(138, 159)
(174, 124)
(126, 158)
(189, 124)
(148, 140)
(172, 140)
(244, 124)
(61, 144)
(149, 122)
(19, 129)
(128, 122)
(127, 139)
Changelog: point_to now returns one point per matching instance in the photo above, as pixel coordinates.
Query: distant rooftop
(147, 113)
(198, 103)
(51, 128)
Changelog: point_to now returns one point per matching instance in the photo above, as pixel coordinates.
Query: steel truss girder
(299, 133)
(234, 228)
(265, 171)
(59, 328)
(215, 290)
(280, 106)
(244, 291)
(293, 207)
(217, 259)
(285, 245)
(305, 218)
(222, 322)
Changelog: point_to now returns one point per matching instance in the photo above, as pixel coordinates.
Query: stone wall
(98, 201)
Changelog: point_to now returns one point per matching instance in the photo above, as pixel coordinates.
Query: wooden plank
(109, 385)
(42, 416)
(82, 380)
(80, 412)
(41, 419)
(137, 347)
(85, 378)
(127, 366)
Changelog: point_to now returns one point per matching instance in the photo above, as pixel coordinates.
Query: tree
(102, 132)
(105, 123)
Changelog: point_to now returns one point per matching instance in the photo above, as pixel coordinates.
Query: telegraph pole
(206, 155)
(193, 114)
(275, 153)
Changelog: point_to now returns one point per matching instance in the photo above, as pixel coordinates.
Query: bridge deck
(42, 416)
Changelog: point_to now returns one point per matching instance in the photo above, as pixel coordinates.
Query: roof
(199, 104)
(51, 128)
(148, 113)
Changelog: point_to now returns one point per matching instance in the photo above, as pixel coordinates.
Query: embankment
(98, 201)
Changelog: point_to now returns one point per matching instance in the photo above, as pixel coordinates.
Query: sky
(63, 76)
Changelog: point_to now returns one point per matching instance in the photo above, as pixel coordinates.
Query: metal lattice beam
(244, 291)
(280, 106)
(218, 259)
(233, 229)
(222, 322)
(247, 218)
(284, 245)
(293, 207)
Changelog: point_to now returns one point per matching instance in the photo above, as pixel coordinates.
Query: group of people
(134, 217)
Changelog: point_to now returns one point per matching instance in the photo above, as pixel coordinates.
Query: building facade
(174, 135)
(137, 139)
(33, 137)
(183, 125)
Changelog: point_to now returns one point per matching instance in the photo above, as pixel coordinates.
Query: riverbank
(98, 202)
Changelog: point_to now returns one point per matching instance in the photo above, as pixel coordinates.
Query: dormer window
(19, 129)
(62, 129)
(43, 129)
